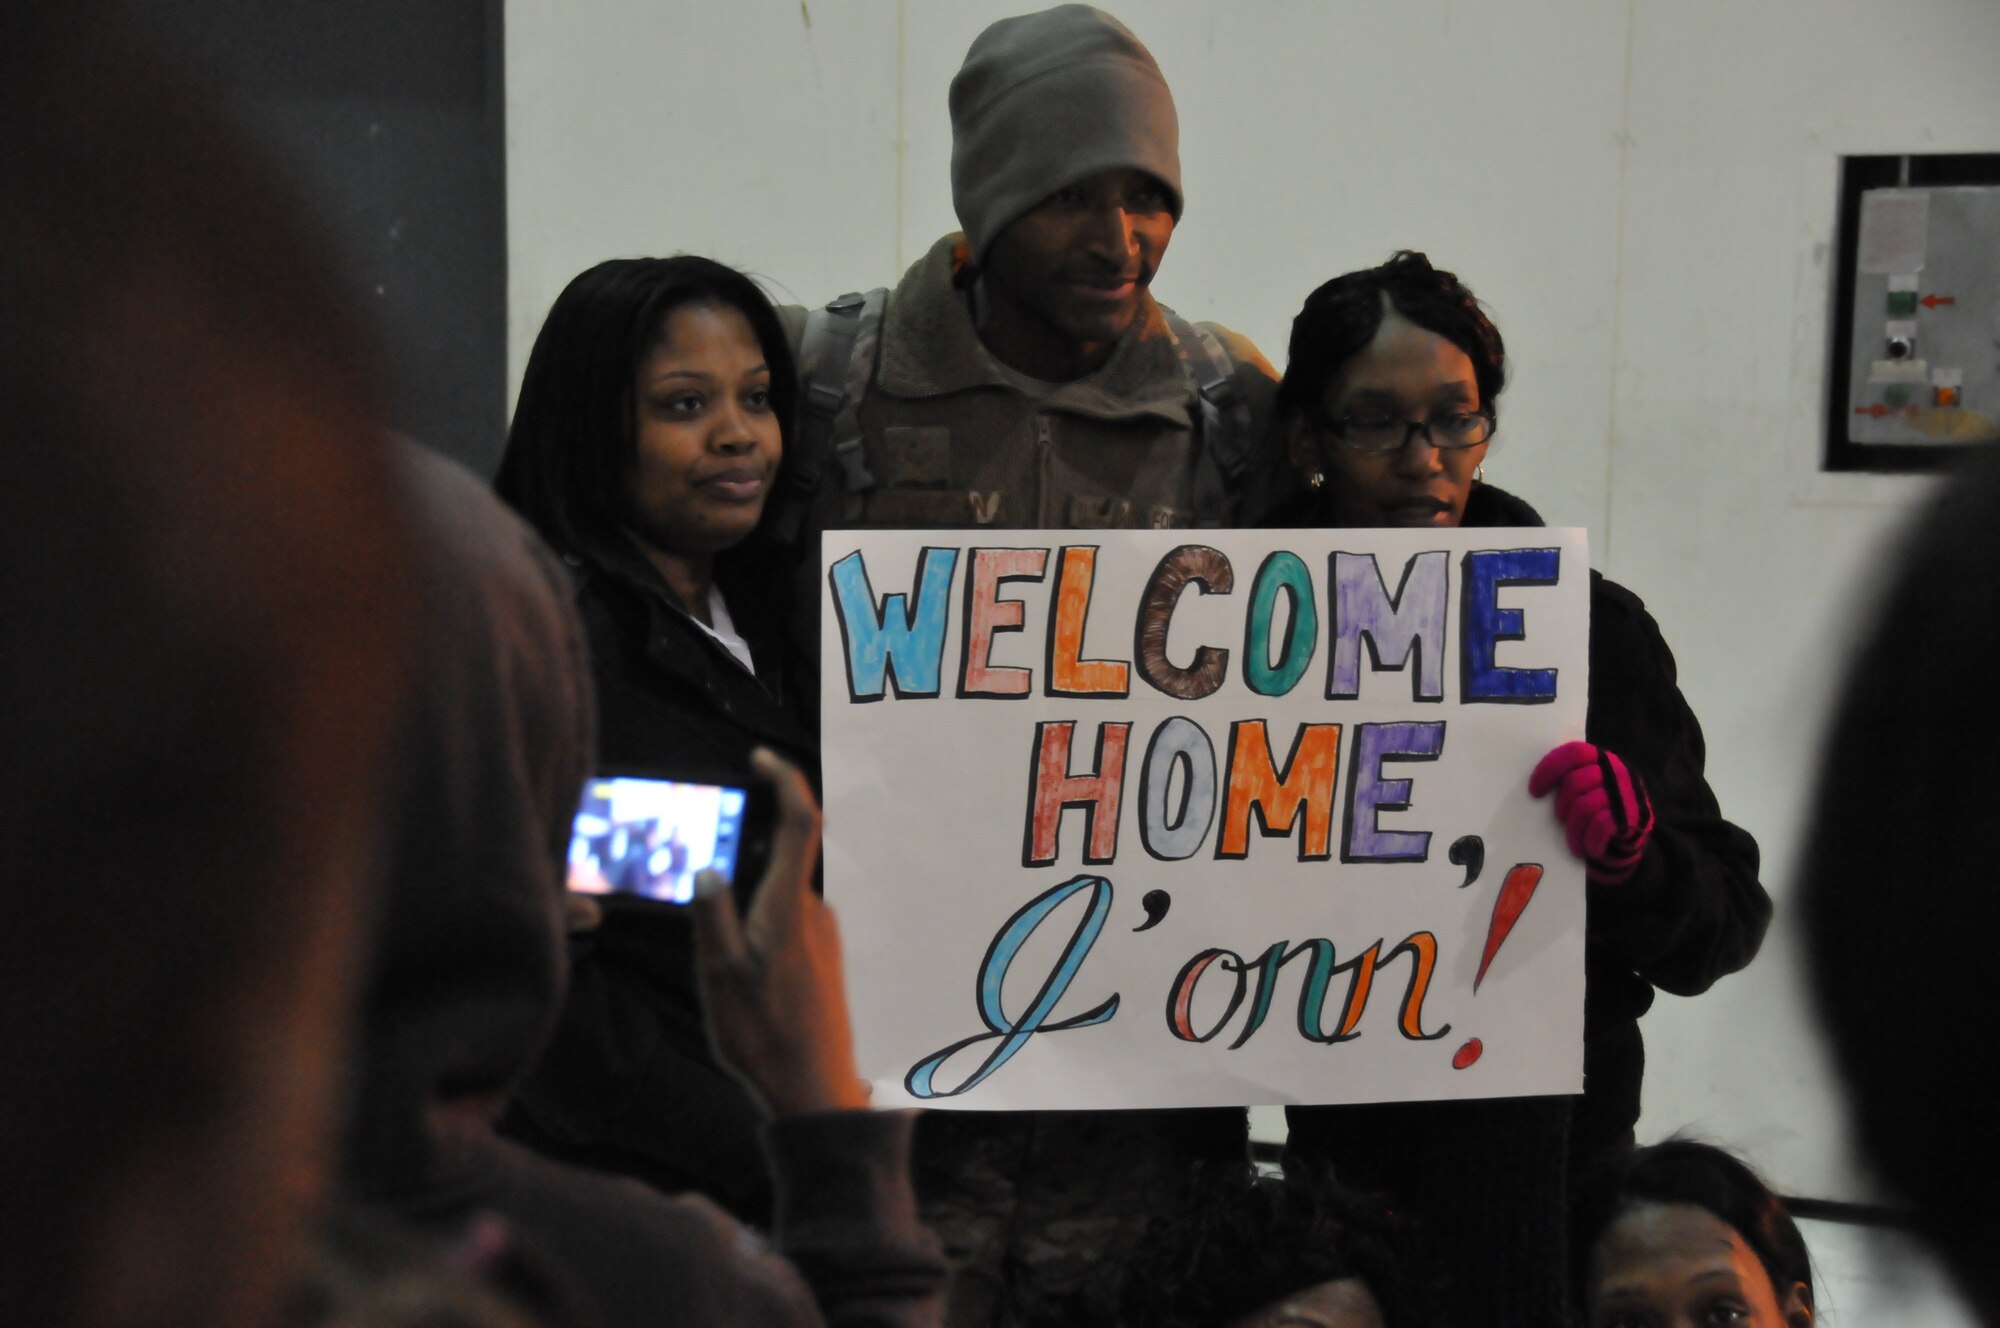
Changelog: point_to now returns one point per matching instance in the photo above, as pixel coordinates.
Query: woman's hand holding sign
(1603, 806)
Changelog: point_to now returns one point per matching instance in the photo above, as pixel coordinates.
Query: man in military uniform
(1021, 375)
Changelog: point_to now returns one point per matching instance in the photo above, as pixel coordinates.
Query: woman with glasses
(1389, 407)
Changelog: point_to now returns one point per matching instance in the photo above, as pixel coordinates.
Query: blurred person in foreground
(201, 568)
(470, 973)
(1897, 888)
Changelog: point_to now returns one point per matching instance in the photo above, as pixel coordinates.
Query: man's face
(1077, 262)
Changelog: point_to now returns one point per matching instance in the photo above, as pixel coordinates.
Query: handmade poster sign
(1178, 818)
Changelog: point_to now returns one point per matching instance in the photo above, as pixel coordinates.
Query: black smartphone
(646, 835)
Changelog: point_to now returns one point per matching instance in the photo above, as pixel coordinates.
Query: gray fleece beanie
(1047, 99)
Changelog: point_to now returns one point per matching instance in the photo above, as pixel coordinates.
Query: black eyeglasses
(1383, 433)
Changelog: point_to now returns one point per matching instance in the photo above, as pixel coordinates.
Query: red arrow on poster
(1933, 301)
(1876, 411)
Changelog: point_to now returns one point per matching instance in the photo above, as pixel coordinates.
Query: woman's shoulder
(615, 611)
(1625, 641)
(1489, 505)
(1608, 597)
(1615, 611)
(666, 686)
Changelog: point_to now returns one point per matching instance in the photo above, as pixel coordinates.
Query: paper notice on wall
(1895, 228)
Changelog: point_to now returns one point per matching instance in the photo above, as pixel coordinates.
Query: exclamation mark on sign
(1515, 892)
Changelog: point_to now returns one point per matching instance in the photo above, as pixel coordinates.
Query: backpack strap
(861, 356)
(836, 360)
(1222, 418)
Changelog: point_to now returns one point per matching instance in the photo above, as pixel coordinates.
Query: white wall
(1865, 1276)
(1643, 193)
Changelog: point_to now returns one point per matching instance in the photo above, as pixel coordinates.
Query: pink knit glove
(1603, 806)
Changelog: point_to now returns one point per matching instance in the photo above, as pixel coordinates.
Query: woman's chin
(712, 533)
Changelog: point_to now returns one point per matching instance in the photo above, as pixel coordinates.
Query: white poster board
(1178, 818)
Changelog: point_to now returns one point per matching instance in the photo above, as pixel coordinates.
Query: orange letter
(1255, 784)
(1069, 674)
(1363, 981)
(1423, 951)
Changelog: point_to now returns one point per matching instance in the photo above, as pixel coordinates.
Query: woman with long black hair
(648, 438)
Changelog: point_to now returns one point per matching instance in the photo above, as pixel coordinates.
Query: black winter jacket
(1694, 910)
(628, 1083)
(1490, 1179)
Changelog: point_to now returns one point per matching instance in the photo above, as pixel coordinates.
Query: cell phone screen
(648, 837)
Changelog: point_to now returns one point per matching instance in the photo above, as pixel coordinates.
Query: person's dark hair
(1896, 892)
(1342, 316)
(1684, 1171)
(573, 441)
(1236, 1242)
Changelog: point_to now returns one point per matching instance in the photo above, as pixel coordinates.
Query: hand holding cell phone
(773, 982)
(647, 836)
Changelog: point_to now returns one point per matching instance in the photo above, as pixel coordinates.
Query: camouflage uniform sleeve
(1248, 359)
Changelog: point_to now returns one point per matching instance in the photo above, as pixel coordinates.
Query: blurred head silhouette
(1897, 889)
(199, 552)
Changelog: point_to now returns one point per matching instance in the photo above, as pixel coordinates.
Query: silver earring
(1479, 473)
(1316, 481)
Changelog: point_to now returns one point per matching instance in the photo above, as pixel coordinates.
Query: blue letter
(900, 640)
(1485, 624)
(1014, 1033)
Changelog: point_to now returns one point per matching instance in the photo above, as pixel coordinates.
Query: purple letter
(1362, 839)
(1409, 623)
